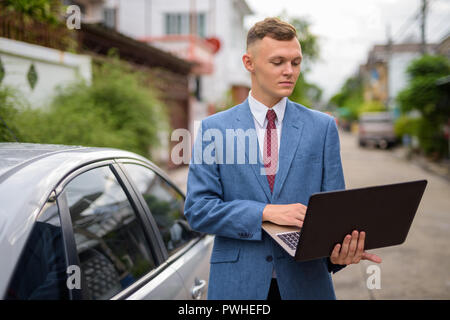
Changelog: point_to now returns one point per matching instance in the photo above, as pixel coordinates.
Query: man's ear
(247, 60)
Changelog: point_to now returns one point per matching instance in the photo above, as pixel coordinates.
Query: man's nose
(288, 70)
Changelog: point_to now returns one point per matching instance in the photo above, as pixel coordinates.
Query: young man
(298, 154)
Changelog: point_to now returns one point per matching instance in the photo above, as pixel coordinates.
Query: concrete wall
(53, 67)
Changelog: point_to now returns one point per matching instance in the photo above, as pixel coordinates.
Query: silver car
(94, 223)
(376, 129)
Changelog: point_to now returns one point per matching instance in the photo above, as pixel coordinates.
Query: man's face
(274, 67)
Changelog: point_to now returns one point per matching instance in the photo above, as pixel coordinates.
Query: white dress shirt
(259, 111)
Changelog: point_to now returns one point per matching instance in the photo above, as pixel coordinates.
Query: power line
(424, 11)
(406, 25)
(411, 21)
(442, 24)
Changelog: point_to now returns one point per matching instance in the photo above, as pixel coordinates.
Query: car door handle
(197, 289)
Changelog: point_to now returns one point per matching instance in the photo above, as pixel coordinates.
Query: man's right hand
(285, 214)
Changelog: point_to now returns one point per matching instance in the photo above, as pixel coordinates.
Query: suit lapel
(291, 134)
(244, 121)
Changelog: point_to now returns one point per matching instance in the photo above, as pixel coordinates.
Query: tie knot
(271, 115)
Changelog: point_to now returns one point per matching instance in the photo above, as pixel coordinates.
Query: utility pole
(422, 25)
(388, 64)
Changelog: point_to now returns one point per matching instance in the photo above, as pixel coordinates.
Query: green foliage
(349, 97)
(423, 95)
(308, 41)
(117, 110)
(39, 22)
(305, 92)
(2, 70)
(9, 104)
(405, 125)
(41, 10)
(371, 106)
(431, 139)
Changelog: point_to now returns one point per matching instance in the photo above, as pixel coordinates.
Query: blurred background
(126, 73)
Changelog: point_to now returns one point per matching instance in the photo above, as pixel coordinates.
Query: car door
(188, 252)
(40, 273)
(110, 238)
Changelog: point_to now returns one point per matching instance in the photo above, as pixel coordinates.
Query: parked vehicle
(376, 129)
(94, 223)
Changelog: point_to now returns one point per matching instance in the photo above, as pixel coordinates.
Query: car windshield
(376, 120)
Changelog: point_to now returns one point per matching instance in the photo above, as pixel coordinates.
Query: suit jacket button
(269, 258)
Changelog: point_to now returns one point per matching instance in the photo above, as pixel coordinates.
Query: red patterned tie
(271, 148)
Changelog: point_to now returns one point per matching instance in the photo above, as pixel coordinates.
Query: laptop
(385, 213)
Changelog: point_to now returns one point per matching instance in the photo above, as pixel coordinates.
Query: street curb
(441, 170)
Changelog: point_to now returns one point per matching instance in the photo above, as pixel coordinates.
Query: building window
(109, 18)
(179, 23)
(201, 25)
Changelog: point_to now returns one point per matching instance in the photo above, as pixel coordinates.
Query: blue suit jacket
(227, 199)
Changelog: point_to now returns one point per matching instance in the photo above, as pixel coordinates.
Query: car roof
(28, 174)
(17, 156)
(14, 155)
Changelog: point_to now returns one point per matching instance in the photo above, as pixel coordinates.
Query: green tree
(117, 110)
(305, 92)
(33, 20)
(350, 98)
(308, 41)
(41, 10)
(372, 106)
(423, 95)
(9, 110)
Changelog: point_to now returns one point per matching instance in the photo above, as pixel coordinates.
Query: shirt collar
(259, 110)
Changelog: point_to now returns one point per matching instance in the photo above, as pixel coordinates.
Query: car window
(41, 271)
(166, 206)
(376, 120)
(111, 243)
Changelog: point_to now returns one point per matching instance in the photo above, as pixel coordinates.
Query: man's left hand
(352, 250)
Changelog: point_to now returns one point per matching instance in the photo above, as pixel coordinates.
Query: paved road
(419, 268)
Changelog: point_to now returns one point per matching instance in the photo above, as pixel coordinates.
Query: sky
(348, 29)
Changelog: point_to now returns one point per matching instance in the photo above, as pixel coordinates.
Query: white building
(188, 28)
(208, 33)
(386, 71)
(401, 56)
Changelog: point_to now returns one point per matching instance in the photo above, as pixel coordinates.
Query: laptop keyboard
(290, 238)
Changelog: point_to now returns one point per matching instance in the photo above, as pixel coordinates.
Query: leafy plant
(41, 10)
(9, 105)
(117, 110)
(372, 106)
(305, 92)
(350, 97)
(405, 125)
(423, 95)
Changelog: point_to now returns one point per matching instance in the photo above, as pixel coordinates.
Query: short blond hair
(273, 28)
